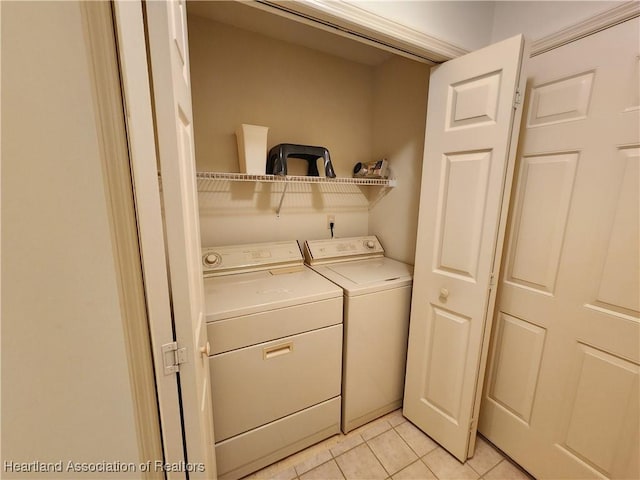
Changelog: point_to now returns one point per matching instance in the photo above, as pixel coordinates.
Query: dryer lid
(228, 296)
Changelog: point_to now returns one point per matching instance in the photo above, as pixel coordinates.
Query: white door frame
(168, 47)
(142, 150)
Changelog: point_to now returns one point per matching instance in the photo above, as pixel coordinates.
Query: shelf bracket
(284, 191)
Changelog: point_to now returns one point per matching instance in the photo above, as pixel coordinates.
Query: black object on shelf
(277, 159)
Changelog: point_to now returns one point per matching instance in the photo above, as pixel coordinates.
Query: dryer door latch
(173, 357)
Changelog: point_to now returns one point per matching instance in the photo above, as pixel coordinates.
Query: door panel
(542, 202)
(561, 100)
(514, 384)
(449, 340)
(460, 217)
(619, 283)
(466, 178)
(572, 268)
(167, 30)
(474, 102)
(603, 395)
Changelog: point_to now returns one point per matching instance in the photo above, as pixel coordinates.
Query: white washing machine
(377, 303)
(275, 330)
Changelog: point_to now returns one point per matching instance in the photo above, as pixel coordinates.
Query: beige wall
(360, 112)
(304, 97)
(399, 126)
(66, 393)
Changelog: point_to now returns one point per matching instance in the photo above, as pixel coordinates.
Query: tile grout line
(375, 456)
(338, 465)
(420, 457)
(492, 468)
(393, 428)
(390, 475)
(407, 444)
(364, 441)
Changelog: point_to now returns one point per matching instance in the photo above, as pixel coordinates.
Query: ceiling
(273, 23)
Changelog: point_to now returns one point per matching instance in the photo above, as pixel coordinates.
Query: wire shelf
(245, 177)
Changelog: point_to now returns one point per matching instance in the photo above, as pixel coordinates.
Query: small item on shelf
(379, 169)
(252, 148)
(277, 159)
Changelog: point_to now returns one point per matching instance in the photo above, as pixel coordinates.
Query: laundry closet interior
(309, 87)
(362, 103)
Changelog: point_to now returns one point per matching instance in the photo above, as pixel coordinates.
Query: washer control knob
(211, 260)
(370, 244)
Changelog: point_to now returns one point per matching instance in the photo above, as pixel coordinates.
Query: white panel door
(470, 142)
(561, 392)
(167, 27)
(132, 53)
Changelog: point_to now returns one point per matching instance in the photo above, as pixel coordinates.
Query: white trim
(351, 20)
(128, 17)
(368, 27)
(591, 25)
(0, 222)
(168, 55)
(97, 19)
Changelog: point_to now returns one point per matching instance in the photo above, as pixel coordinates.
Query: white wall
(472, 25)
(466, 24)
(66, 393)
(539, 19)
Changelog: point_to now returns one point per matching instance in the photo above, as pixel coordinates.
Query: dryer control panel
(317, 252)
(232, 259)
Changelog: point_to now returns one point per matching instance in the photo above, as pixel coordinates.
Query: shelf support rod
(284, 190)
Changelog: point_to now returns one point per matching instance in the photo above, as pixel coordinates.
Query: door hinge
(517, 101)
(173, 357)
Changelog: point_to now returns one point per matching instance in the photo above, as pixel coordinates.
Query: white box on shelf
(252, 148)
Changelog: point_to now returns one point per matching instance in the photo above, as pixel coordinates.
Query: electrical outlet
(331, 219)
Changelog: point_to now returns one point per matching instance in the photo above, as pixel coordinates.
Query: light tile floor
(390, 448)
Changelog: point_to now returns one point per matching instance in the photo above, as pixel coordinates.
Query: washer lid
(371, 271)
(246, 293)
(366, 276)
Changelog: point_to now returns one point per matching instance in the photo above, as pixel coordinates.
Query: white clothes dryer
(275, 330)
(377, 304)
